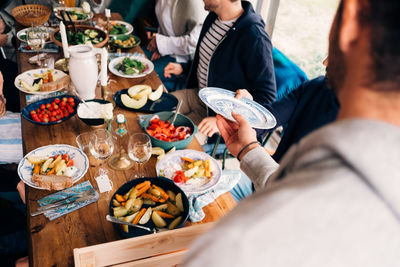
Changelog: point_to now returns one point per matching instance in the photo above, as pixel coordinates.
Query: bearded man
(338, 204)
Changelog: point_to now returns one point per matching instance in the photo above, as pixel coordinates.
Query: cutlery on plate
(115, 220)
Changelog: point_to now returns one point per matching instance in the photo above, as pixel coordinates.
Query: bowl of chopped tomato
(165, 135)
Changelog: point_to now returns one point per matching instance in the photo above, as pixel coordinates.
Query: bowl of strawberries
(51, 110)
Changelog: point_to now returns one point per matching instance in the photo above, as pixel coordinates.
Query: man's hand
(2, 26)
(208, 126)
(173, 68)
(237, 134)
(21, 190)
(3, 39)
(152, 46)
(1, 83)
(243, 93)
(156, 55)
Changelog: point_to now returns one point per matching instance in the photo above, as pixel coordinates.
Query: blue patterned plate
(81, 162)
(29, 76)
(223, 102)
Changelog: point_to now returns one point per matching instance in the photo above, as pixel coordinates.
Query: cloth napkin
(48, 48)
(228, 180)
(34, 98)
(75, 190)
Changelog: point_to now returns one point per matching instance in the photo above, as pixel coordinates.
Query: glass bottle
(120, 160)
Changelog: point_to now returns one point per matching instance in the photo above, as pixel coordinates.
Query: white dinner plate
(127, 25)
(23, 32)
(223, 102)
(145, 61)
(29, 76)
(170, 163)
(78, 9)
(81, 162)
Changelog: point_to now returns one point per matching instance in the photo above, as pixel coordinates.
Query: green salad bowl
(181, 120)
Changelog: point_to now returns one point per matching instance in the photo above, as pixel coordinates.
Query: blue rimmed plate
(223, 102)
(81, 162)
(172, 162)
(29, 76)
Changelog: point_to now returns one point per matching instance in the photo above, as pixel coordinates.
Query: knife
(67, 200)
(78, 200)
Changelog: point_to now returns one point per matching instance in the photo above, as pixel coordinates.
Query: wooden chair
(162, 249)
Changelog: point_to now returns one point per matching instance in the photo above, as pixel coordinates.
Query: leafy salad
(130, 66)
(88, 35)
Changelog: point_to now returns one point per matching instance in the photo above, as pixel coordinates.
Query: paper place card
(104, 183)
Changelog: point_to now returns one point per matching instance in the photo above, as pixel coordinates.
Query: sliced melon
(132, 103)
(156, 94)
(138, 91)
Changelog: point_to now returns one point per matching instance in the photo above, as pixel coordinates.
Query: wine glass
(36, 37)
(101, 146)
(139, 150)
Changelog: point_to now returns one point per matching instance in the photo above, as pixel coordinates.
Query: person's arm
(241, 141)
(258, 66)
(178, 45)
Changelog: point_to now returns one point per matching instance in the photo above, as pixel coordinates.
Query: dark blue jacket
(242, 60)
(304, 110)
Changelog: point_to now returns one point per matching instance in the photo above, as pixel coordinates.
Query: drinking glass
(139, 150)
(36, 37)
(101, 146)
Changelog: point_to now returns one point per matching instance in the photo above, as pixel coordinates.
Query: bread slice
(53, 182)
(57, 84)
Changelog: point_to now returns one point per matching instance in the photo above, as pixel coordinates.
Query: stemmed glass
(36, 37)
(139, 150)
(101, 146)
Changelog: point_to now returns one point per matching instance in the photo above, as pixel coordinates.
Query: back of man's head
(382, 17)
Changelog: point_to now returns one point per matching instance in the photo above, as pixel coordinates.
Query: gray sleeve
(258, 166)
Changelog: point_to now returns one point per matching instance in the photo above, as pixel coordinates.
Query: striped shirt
(208, 45)
(10, 138)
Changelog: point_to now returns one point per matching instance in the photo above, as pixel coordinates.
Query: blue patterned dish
(81, 162)
(223, 102)
(29, 76)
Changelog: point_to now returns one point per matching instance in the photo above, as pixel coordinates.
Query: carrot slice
(140, 214)
(164, 214)
(188, 159)
(163, 194)
(142, 190)
(138, 186)
(119, 198)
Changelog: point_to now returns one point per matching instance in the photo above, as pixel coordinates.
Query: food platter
(81, 162)
(172, 161)
(149, 67)
(124, 38)
(161, 182)
(78, 10)
(28, 77)
(21, 35)
(223, 102)
(166, 102)
(26, 111)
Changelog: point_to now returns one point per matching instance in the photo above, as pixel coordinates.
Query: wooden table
(51, 243)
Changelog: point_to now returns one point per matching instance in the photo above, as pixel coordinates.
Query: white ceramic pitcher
(83, 69)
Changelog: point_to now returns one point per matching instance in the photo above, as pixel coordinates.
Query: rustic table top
(51, 243)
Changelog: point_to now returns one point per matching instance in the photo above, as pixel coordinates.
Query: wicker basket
(29, 15)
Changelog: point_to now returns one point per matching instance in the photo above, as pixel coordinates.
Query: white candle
(64, 40)
(103, 73)
(108, 13)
